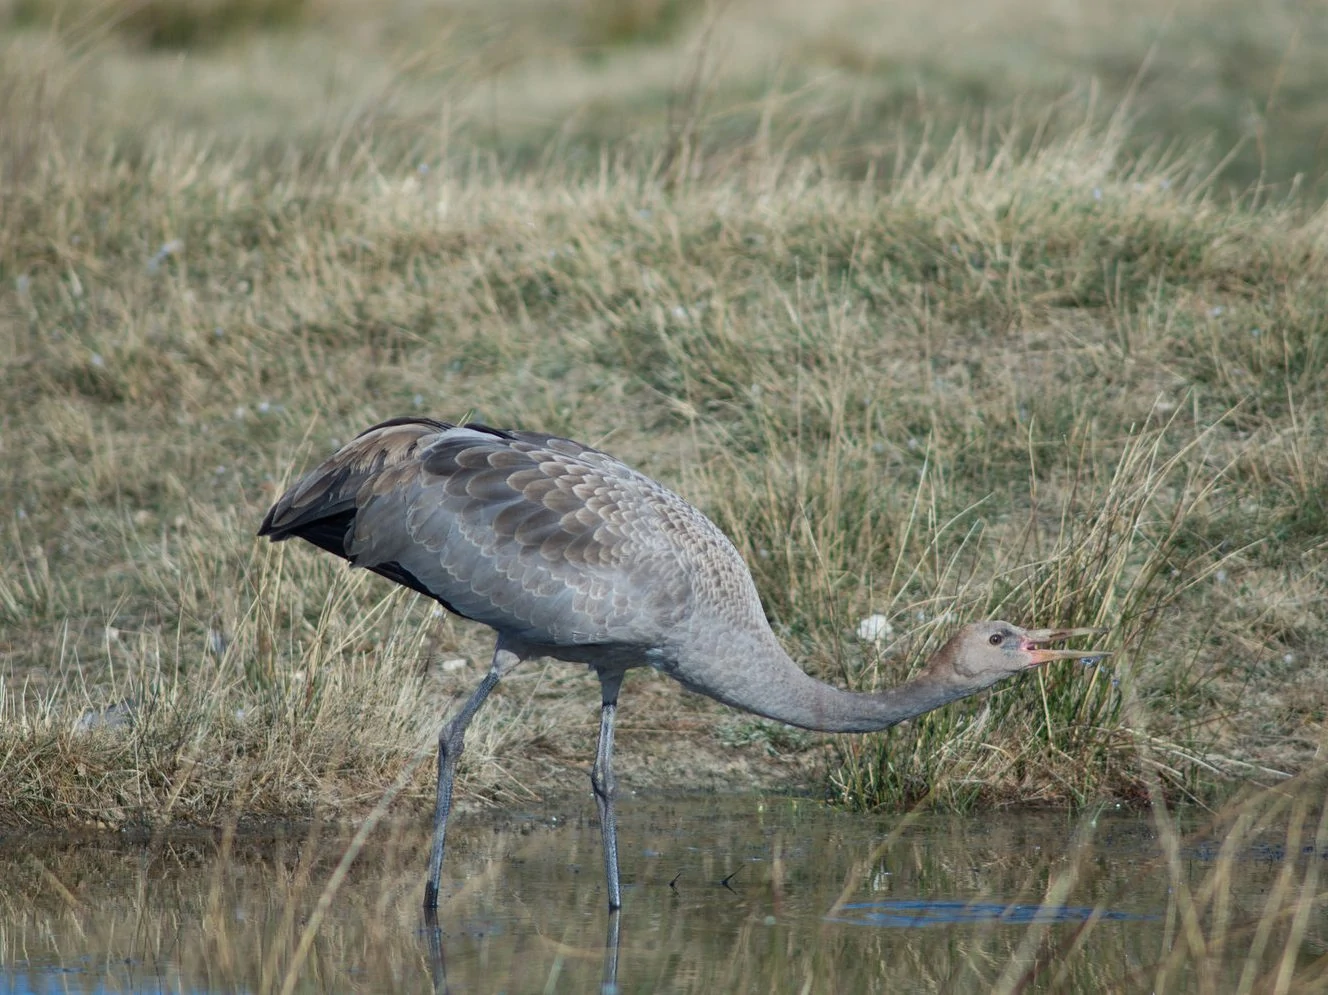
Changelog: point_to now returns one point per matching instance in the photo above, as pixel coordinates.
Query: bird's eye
(996, 639)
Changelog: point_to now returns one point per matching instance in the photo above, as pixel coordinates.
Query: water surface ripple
(745, 894)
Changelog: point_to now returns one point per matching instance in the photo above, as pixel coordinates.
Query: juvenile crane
(567, 552)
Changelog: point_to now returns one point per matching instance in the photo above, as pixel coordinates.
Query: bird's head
(982, 653)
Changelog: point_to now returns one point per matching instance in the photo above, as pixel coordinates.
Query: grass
(162, 24)
(1044, 366)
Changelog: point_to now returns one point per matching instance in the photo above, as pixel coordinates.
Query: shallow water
(816, 900)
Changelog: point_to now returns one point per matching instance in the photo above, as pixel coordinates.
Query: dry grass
(1040, 374)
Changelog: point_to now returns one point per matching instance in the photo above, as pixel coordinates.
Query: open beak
(1036, 638)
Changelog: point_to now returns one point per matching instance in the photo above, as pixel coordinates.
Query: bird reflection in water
(433, 933)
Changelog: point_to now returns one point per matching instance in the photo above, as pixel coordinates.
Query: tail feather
(320, 507)
(327, 533)
(323, 501)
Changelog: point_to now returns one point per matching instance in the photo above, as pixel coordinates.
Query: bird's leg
(451, 741)
(437, 963)
(605, 785)
(609, 979)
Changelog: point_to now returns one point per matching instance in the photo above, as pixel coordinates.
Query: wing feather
(532, 534)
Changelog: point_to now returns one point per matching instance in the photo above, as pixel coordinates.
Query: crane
(567, 552)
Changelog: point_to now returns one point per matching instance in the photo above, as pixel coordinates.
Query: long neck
(758, 676)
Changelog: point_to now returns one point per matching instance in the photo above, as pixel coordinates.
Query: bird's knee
(604, 784)
(451, 741)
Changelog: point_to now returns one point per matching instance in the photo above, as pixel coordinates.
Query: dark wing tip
(270, 526)
(282, 522)
(329, 532)
(267, 528)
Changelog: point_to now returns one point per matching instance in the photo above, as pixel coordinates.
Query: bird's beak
(1036, 638)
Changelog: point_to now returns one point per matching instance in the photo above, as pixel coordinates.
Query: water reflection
(815, 901)
(913, 914)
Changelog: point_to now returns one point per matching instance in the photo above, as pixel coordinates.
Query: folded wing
(539, 536)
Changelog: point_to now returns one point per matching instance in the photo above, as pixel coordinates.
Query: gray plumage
(567, 552)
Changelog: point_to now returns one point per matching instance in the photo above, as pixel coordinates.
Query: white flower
(875, 629)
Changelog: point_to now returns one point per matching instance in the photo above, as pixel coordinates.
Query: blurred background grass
(854, 83)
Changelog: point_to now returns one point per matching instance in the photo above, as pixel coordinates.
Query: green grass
(163, 24)
(1005, 370)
